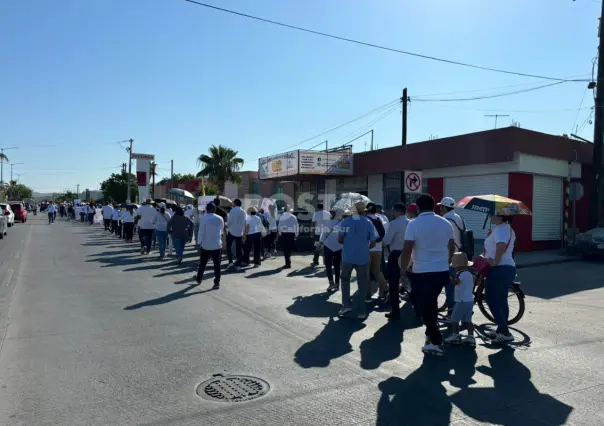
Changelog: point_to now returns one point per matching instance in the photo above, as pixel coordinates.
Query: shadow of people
(180, 294)
(333, 342)
(303, 271)
(265, 273)
(314, 306)
(419, 399)
(512, 386)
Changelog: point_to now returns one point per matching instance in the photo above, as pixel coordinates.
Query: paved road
(99, 335)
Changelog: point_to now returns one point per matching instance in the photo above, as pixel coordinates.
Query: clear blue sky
(81, 75)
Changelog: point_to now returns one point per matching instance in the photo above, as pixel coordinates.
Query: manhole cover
(232, 388)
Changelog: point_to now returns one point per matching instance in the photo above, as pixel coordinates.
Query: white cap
(447, 202)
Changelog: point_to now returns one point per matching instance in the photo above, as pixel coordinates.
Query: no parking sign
(413, 182)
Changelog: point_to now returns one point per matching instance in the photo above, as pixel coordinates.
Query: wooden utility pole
(496, 117)
(129, 170)
(171, 174)
(405, 100)
(595, 205)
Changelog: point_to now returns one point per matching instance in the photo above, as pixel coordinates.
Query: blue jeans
(499, 279)
(162, 239)
(179, 246)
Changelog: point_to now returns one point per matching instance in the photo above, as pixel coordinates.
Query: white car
(8, 214)
(2, 226)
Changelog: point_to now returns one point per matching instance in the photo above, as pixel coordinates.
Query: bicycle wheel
(515, 303)
(442, 301)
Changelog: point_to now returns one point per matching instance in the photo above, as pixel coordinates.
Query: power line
(498, 95)
(354, 135)
(572, 129)
(375, 46)
(456, 107)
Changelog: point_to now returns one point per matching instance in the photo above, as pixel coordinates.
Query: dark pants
(128, 231)
(51, 217)
(238, 248)
(91, 218)
(269, 241)
(82, 217)
(253, 241)
(425, 290)
(333, 264)
(215, 256)
(146, 236)
(114, 227)
(317, 250)
(394, 278)
(287, 244)
(499, 279)
(107, 224)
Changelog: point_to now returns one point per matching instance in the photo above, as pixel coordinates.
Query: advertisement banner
(203, 200)
(326, 163)
(143, 172)
(285, 164)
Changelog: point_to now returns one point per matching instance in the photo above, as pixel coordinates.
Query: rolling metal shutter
(459, 187)
(547, 208)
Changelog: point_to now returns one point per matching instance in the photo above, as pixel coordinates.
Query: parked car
(591, 243)
(8, 213)
(2, 226)
(19, 210)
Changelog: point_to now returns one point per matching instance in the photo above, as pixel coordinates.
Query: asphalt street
(93, 333)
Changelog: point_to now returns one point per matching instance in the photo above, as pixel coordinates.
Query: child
(464, 302)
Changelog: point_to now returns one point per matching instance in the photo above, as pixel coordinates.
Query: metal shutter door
(459, 187)
(547, 208)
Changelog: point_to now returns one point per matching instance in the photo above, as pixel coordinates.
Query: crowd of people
(413, 257)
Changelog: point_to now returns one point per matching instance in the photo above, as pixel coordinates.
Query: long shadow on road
(180, 294)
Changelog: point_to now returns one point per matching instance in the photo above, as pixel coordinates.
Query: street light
(11, 169)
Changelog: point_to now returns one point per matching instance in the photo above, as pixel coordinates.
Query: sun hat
(447, 202)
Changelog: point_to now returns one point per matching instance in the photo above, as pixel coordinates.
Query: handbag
(480, 262)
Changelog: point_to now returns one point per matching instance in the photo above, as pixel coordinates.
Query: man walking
(288, 232)
(107, 216)
(145, 217)
(319, 219)
(395, 239)
(430, 246)
(357, 235)
(236, 225)
(52, 211)
(210, 240)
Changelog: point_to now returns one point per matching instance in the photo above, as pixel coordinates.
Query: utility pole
(171, 174)
(11, 170)
(78, 190)
(405, 99)
(2, 163)
(595, 204)
(496, 117)
(129, 169)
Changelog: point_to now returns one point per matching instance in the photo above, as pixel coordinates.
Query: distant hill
(40, 196)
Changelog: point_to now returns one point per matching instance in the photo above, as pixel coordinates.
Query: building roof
(490, 146)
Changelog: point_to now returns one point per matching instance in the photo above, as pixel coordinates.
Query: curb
(547, 262)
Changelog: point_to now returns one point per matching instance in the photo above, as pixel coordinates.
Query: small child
(464, 302)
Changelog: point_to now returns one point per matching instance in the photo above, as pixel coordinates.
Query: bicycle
(515, 294)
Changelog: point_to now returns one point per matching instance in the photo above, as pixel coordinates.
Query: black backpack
(379, 226)
(467, 238)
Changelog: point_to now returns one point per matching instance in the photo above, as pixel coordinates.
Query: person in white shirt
(90, 211)
(189, 212)
(107, 215)
(211, 227)
(236, 225)
(332, 250)
(430, 246)
(146, 217)
(375, 253)
(288, 232)
(464, 301)
(161, 229)
(252, 236)
(269, 241)
(82, 210)
(499, 248)
(115, 221)
(319, 219)
(128, 223)
(52, 211)
(395, 239)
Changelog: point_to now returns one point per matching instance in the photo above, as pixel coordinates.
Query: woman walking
(161, 229)
(498, 252)
(252, 235)
(178, 228)
(332, 250)
(128, 223)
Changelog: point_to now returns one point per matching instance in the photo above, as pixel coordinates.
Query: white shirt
(378, 246)
(431, 234)
(395, 234)
(236, 221)
(288, 223)
(272, 220)
(189, 213)
(161, 222)
(329, 236)
(127, 216)
(115, 214)
(90, 209)
(210, 231)
(320, 218)
(107, 212)
(148, 216)
(454, 217)
(384, 218)
(464, 290)
(501, 234)
(255, 224)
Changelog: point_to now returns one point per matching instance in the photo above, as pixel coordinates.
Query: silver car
(591, 243)
(3, 226)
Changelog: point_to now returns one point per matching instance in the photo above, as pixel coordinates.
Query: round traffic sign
(412, 182)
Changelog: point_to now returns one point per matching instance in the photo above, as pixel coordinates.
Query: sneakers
(469, 341)
(432, 349)
(344, 311)
(197, 279)
(453, 339)
(216, 286)
(502, 339)
(143, 250)
(490, 334)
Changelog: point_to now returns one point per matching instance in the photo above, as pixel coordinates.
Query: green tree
(220, 165)
(17, 191)
(115, 188)
(178, 178)
(65, 196)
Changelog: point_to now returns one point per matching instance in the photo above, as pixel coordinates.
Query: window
(254, 187)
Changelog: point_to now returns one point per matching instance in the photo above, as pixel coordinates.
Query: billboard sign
(285, 164)
(337, 163)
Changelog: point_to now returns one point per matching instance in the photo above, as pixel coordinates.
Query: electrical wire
(498, 95)
(572, 129)
(455, 107)
(354, 135)
(585, 122)
(376, 46)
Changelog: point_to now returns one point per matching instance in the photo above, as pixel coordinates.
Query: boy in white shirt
(464, 302)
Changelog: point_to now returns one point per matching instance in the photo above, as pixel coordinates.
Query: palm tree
(3, 159)
(152, 172)
(220, 165)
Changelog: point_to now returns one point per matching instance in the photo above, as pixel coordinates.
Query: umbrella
(494, 205)
(347, 201)
(180, 193)
(224, 201)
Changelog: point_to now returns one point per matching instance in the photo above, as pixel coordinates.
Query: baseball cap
(447, 202)
(412, 208)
